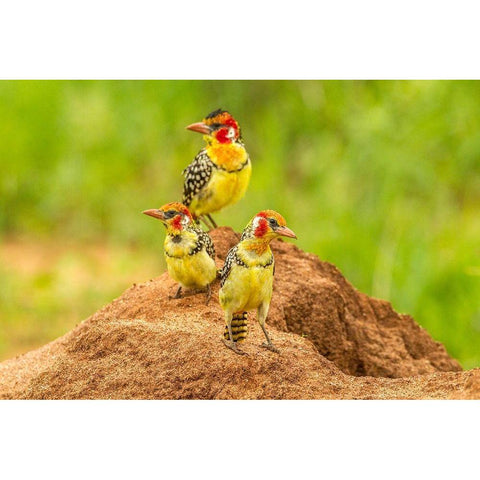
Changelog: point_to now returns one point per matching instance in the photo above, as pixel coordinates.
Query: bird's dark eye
(169, 213)
(273, 223)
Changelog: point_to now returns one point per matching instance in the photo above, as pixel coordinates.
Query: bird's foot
(178, 294)
(233, 346)
(270, 346)
(196, 291)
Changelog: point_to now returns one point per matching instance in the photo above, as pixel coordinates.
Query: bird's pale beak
(199, 127)
(155, 213)
(285, 232)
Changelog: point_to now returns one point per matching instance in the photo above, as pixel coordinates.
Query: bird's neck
(259, 246)
(228, 156)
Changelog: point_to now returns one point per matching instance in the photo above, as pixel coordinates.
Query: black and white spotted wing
(227, 266)
(203, 242)
(207, 241)
(231, 259)
(197, 175)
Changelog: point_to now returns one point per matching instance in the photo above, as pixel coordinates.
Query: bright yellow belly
(246, 288)
(193, 271)
(223, 189)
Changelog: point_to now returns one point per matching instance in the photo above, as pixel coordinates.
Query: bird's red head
(218, 125)
(269, 224)
(174, 215)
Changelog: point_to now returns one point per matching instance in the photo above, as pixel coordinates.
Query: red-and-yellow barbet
(220, 173)
(246, 279)
(189, 251)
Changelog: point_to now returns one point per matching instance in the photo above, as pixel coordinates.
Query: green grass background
(381, 178)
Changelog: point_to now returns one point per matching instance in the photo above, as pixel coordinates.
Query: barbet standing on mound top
(220, 173)
(247, 277)
(189, 251)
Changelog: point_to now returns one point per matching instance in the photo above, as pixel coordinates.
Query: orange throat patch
(228, 156)
(258, 245)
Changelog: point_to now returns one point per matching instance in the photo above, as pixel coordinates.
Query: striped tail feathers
(239, 327)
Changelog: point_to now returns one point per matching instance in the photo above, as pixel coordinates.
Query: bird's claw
(178, 294)
(233, 346)
(270, 346)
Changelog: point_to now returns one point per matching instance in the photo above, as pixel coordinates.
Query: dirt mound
(333, 341)
(361, 335)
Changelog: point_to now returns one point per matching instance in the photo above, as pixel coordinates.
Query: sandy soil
(335, 343)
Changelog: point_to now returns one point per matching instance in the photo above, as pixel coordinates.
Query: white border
(239, 439)
(203, 39)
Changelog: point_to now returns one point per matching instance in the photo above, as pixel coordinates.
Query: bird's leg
(178, 294)
(268, 344)
(209, 294)
(202, 218)
(212, 221)
(231, 344)
(262, 315)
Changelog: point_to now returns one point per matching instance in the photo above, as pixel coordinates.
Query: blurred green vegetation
(381, 178)
(47, 287)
